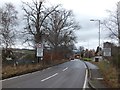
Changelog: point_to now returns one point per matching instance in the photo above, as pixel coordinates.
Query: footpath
(95, 79)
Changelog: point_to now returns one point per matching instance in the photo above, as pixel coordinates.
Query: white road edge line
(49, 68)
(85, 65)
(14, 77)
(49, 77)
(19, 76)
(85, 82)
(22, 75)
(65, 69)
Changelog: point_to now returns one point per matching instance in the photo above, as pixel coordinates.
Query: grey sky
(84, 10)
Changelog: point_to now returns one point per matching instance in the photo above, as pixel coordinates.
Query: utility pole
(99, 30)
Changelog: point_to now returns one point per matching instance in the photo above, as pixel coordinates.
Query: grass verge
(11, 71)
(109, 72)
(87, 59)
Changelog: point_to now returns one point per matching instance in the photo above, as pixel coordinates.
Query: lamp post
(99, 29)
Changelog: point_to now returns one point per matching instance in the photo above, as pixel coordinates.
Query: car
(71, 58)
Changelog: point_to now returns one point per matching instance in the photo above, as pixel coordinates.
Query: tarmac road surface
(71, 74)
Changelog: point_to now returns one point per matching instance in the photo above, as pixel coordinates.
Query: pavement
(95, 80)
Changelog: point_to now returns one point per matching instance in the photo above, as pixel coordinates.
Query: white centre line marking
(65, 69)
(49, 77)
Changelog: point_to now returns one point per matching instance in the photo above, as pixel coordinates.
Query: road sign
(39, 50)
(107, 51)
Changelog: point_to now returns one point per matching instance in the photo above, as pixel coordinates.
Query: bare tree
(8, 20)
(113, 23)
(35, 15)
(60, 26)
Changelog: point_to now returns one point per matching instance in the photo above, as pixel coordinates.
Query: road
(71, 74)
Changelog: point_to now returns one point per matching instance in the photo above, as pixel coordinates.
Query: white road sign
(107, 52)
(39, 50)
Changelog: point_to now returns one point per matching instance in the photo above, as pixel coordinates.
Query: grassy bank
(11, 71)
(109, 72)
(87, 59)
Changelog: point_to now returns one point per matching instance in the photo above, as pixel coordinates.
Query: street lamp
(99, 28)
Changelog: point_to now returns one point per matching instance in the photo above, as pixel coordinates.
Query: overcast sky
(84, 10)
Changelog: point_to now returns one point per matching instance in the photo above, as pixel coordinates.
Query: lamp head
(92, 20)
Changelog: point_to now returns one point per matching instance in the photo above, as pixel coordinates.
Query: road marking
(43, 70)
(14, 77)
(65, 69)
(85, 65)
(85, 82)
(35, 72)
(22, 75)
(99, 78)
(49, 68)
(49, 77)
